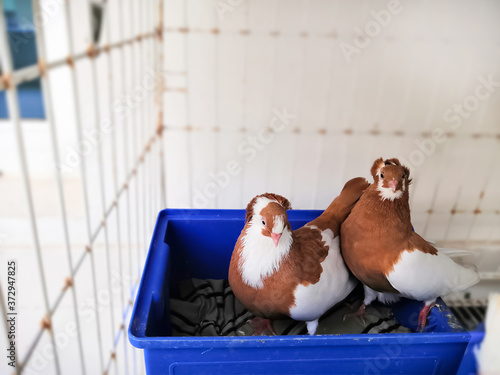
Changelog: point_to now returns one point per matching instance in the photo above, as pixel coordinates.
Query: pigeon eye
(263, 222)
(382, 175)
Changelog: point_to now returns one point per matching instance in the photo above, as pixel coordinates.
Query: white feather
(385, 298)
(387, 193)
(334, 285)
(259, 205)
(455, 253)
(425, 277)
(279, 224)
(260, 257)
(488, 358)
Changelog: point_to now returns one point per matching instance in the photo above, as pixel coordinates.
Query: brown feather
(379, 163)
(285, 203)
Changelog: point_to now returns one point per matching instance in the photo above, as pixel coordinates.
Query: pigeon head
(266, 213)
(391, 178)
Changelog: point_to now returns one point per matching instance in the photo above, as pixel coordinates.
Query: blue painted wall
(22, 42)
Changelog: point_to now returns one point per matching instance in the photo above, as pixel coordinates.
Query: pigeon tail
(466, 277)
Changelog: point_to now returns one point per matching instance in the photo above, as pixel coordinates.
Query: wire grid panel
(102, 138)
(362, 80)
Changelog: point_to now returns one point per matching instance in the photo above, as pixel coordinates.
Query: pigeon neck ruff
(260, 257)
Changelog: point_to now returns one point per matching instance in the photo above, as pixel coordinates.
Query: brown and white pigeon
(276, 272)
(381, 249)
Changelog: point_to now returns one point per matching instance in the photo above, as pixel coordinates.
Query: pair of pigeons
(366, 232)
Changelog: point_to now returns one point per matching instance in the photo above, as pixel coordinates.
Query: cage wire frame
(143, 159)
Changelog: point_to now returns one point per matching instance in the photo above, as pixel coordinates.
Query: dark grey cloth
(209, 308)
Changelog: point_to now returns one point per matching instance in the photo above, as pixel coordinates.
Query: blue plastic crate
(469, 365)
(199, 243)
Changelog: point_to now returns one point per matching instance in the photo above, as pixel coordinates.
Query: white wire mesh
(120, 173)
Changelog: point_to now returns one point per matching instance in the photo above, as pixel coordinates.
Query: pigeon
(278, 272)
(381, 249)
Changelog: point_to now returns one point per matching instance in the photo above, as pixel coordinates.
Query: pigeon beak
(393, 185)
(276, 238)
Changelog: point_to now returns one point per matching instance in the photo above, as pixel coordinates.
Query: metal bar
(244, 95)
(127, 157)
(20, 75)
(133, 73)
(409, 89)
(32, 72)
(459, 314)
(464, 310)
(47, 95)
(146, 197)
(146, 60)
(153, 172)
(328, 97)
(13, 106)
(144, 194)
(102, 185)
(80, 262)
(54, 307)
(154, 115)
(484, 187)
(109, 210)
(459, 193)
(489, 275)
(146, 126)
(474, 309)
(216, 101)
(351, 132)
(115, 184)
(31, 349)
(41, 70)
(79, 131)
(153, 118)
(159, 60)
(452, 214)
(188, 107)
(445, 156)
(493, 229)
(299, 92)
(126, 151)
(143, 129)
